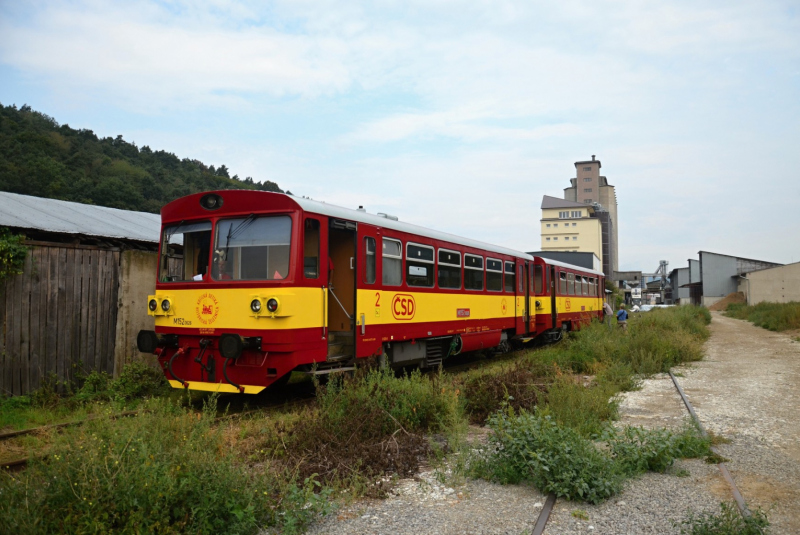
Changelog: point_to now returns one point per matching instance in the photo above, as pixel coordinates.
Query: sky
(457, 116)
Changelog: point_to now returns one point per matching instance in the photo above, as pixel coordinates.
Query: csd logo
(403, 307)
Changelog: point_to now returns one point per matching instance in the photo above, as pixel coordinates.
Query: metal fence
(58, 318)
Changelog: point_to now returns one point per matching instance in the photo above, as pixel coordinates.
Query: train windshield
(252, 248)
(185, 251)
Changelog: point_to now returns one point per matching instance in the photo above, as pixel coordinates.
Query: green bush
(772, 316)
(169, 471)
(533, 447)
(137, 380)
(557, 459)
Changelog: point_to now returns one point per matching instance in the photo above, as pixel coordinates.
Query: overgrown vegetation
(772, 316)
(727, 522)
(167, 471)
(12, 254)
(368, 426)
(42, 158)
(530, 446)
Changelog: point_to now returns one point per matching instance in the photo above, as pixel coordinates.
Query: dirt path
(747, 389)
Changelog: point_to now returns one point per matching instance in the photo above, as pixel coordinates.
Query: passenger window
(370, 264)
(563, 283)
(494, 275)
(571, 283)
(537, 279)
(392, 262)
(311, 249)
(510, 276)
(449, 269)
(473, 272)
(585, 286)
(419, 264)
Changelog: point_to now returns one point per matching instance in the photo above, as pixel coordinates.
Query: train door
(369, 300)
(553, 301)
(315, 275)
(522, 298)
(341, 291)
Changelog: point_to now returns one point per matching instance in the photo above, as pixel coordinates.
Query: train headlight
(272, 305)
(165, 305)
(211, 201)
(152, 305)
(255, 305)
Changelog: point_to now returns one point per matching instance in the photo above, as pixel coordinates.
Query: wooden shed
(81, 298)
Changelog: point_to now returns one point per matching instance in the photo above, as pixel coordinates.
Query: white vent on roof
(387, 216)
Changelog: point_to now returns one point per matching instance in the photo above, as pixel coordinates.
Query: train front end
(228, 314)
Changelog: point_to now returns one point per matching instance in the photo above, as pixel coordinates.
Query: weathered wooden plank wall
(58, 318)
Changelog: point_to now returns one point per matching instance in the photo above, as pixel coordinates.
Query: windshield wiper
(233, 232)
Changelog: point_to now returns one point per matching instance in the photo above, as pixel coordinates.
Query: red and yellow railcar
(253, 285)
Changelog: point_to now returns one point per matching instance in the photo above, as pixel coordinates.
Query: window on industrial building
(576, 214)
(473, 272)
(574, 224)
(510, 274)
(555, 239)
(449, 270)
(370, 264)
(587, 201)
(555, 224)
(494, 275)
(548, 239)
(587, 190)
(574, 238)
(587, 168)
(562, 276)
(537, 279)
(419, 265)
(392, 262)
(571, 283)
(589, 179)
(563, 215)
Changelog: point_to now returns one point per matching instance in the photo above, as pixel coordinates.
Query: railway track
(544, 514)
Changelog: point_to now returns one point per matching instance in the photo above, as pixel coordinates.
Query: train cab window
(253, 248)
(419, 265)
(449, 270)
(494, 275)
(571, 283)
(392, 263)
(538, 279)
(311, 249)
(185, 251)
(562, 276)
(370, 264)
(510, 274)
(585, 286)
(473, 272)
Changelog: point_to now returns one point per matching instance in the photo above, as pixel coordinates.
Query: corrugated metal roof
(65, 217)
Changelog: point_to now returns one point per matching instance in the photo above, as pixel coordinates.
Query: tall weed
(772, 316)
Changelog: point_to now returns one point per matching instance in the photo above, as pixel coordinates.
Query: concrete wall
(775, 285)
(680, 277)
(137, 281)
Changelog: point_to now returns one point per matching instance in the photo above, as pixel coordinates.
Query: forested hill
(42, 158)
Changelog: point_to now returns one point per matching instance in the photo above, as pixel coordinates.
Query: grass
(727, 522)
(167, 471)
(771, 316)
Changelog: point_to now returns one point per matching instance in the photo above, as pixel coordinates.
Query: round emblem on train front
(207, 308)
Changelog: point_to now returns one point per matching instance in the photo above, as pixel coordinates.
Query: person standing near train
(622, 318)
(607, 313)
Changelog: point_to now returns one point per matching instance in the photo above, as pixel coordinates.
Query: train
(251, 286)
